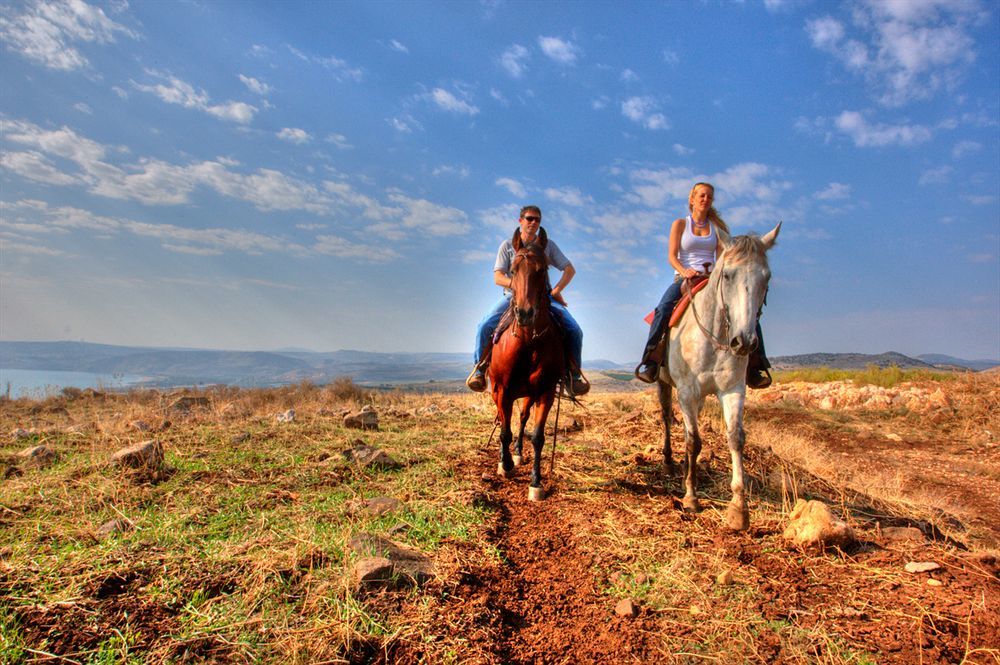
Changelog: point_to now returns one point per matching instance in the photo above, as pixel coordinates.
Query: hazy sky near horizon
(262, 175)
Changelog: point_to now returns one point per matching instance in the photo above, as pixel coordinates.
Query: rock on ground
(811, 524)
(148, 454)
(367, 456)
(39, 456)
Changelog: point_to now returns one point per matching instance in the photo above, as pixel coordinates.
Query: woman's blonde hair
(713, 214)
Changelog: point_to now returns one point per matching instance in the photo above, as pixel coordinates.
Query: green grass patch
(886, 377)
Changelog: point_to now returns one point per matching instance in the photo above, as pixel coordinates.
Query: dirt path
(549, 595)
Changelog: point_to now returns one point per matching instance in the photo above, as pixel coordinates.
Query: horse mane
(745, 248)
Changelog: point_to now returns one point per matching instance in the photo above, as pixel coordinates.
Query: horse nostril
(735, 344)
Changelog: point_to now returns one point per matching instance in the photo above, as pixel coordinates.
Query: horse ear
(516, 239)
(543, 238)
(770, 237)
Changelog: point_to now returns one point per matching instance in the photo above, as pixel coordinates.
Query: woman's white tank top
(695, 250)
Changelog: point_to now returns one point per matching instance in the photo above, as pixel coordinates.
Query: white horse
(709, 350)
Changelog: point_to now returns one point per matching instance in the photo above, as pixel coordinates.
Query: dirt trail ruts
(544, 601)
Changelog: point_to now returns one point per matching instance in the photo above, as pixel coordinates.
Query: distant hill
(861, 361)
(941, 359)
(180, 366)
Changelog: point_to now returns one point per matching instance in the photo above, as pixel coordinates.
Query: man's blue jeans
(574, 334)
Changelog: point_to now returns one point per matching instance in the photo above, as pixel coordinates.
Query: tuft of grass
(886, 377)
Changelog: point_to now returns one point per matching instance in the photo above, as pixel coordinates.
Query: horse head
(529, 277)
(742, 275)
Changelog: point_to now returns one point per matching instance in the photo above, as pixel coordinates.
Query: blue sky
(250, 175)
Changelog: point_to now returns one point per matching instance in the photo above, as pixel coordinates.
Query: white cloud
(460, 171)
(628, 76)
(979, 200)
(339, 68)
(936, 176)
(346, 249)
(866, 135)
(47, 32)
(255, 85)
(512, 186)
(502, 217)
(338, 140)
(561, 51)
(834, 192)
(403, 124)
(294, 135)
(682, 150)
(396, 45)
(963, 148)
(477, 256)
(449, 102)
(34, 166)
(514, 60)
(83, 108)
(671, 58)
(642, 110)
(570, 196)
(431, 218)
(176, 91)
(748, 181)
(905, 49)
(497, 95)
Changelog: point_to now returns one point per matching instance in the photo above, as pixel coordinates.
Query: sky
(319, 175)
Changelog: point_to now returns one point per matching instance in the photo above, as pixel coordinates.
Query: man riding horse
(530, 221)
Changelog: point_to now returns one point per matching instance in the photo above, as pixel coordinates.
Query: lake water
(38, 384)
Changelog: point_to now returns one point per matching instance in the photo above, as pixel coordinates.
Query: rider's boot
(649, 368)
(476, 380)
(578, 383)
(757, 375)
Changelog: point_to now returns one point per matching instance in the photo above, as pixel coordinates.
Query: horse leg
(504, 408)
(664, 391)
(737, 514)
(535, 490)
(519, 442)
(690, 406)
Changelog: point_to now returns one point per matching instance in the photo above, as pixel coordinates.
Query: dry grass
(240, 551)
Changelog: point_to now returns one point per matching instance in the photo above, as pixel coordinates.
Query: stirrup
(649, 375)
(758, 379)
(579, 385)
(476, 381)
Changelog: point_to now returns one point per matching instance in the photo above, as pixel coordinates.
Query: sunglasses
(531, 218)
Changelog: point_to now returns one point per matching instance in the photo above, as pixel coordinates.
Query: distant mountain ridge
(183, 366)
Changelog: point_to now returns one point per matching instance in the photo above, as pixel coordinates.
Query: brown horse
(528, 360)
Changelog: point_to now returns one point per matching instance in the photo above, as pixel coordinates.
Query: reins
(715, 340)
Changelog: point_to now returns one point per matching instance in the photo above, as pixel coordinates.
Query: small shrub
(343, 389)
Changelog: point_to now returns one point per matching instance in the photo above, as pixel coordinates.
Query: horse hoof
(536, 494)
(737, 518)
(504, 472)
(517, 460)
(691, 504)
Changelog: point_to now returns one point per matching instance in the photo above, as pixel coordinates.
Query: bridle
(526, 253)
(720, 297)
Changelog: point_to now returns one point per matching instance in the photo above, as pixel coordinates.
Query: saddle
(696, 284)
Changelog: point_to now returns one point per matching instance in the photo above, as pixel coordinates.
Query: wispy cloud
(512, 186)
(642, 110)
(867, 135)
(562, 51)
(48, 32)
(396, 45)
(936, 176)
(176, 91)
(570, 196)
(963, 148)
(294, 135)
(905, 50)
(460, 171)
(835, 191)
(447, 101)
(515, 60)
(340, 69)
(682, 150)
(255, 85)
